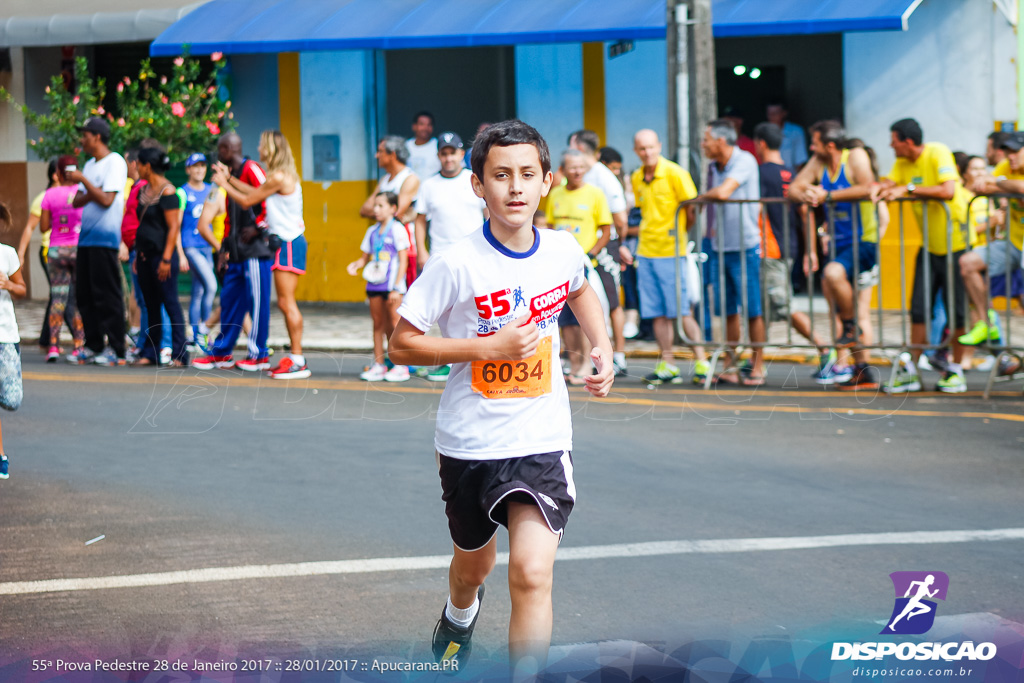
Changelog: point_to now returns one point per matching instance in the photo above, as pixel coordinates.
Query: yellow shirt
(36, 209)
(217, 224)
(658, 201)
(1016, 217)
(934, 167)
(959, 206)
(580, 211)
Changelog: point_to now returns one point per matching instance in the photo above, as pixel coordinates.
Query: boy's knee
(474, 572)
(835, 272)
(529, 575)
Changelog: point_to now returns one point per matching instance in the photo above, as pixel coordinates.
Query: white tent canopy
(30, 23)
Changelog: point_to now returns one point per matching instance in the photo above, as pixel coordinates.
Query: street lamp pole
(692, 96)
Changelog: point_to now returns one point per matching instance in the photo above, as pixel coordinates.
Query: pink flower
(227, 105)
(100, 111)
(163, 79)
(163, 98)
(120, 87)
(211, 89)
(178, 61)
(216, 56)
(121, 122)
(47, 89)
(75, 100)
(127, 81)
(213, 128)
(178, 109)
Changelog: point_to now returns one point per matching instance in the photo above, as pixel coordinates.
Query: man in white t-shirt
(98, 287)
(609, 259)
(422, 146)
(447, 208)
(504, 424)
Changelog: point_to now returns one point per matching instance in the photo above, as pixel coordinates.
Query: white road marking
(397, 564)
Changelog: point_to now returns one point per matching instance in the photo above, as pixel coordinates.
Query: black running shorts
(476, 493)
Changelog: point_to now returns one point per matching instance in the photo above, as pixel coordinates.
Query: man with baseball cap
(98, 284)
(198, 252)
(447, 209)
(998, 255)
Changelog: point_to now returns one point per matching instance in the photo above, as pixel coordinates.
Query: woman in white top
(282, 194)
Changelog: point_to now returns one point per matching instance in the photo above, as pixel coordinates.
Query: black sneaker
(864, 377)
(451, 642)
(850, 335)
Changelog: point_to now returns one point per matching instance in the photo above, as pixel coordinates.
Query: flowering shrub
(182, 111)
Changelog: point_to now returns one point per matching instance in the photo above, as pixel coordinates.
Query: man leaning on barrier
(735, 233)
(1001, 258)
(928, 172)
(840, 179)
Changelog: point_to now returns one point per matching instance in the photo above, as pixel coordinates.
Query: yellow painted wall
(593, 89)
(334, 230)
(889, 256)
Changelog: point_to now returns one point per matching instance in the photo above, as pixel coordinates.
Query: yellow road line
(222, 379)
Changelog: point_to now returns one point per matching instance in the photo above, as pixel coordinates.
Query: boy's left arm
(587, 308)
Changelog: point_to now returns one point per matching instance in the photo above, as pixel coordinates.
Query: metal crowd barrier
(894, 348)
(1005, 350)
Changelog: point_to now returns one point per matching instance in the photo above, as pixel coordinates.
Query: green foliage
(182, 111)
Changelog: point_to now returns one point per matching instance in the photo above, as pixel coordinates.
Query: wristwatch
(911, 188)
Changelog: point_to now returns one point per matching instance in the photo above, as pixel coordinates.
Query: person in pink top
(65, 222)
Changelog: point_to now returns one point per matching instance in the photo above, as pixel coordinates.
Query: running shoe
(619, 368)
(253, 364)
(904, 382)
(80, 356)
(165, 356)
(211, 362)
(700, 371)
(826, 363)
(53, 355)
(289, 369)
(850, 335)
(108, 358)
(863, 377)
(439, 374)
(1008, 365)
(630, 330)
(3, 467)
(202, 341)
(374, 373)
(451, 642)
(399, 373)
(952, 383)
(983, 330)
(664, 373)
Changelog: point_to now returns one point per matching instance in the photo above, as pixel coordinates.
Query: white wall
(12, 125)
(953, 71)
(337, 93)
(636, 97)
(549, 90)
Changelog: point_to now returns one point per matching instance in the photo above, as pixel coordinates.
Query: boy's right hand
(516, 340)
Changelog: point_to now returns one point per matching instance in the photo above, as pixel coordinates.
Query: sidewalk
(336, 327)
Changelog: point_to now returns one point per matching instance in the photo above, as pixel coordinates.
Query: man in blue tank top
(840, 179)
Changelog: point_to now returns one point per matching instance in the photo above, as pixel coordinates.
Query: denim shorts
(733, 281)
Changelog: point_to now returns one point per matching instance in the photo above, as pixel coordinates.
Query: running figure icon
(915, 607)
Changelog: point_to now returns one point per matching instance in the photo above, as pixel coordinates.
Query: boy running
(504, 431)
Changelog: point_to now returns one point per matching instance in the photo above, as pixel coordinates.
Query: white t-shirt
(385, 247)
(602, 177)
(9, 264)
(451, 207)
(423, 158)
(471, 290)
(101, 227)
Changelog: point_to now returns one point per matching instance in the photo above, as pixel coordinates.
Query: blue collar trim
(502, 249)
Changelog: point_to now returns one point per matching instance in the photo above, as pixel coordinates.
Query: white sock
(462, 617)
(619, 358)
(911, 367)
(957, 368)
(297, 358)
(134, 331)
(203, 329)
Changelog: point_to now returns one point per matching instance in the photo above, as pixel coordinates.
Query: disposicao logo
(914, 614)
(916, 592)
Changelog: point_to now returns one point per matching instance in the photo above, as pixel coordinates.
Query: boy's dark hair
(5, 216)
(830, 130)
(423, 113)
(390, 197)
(506, 134)
(610, 155)
(587, 139)
(908, 129)
(770, 134)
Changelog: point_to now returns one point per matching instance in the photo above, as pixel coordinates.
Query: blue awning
(249, 26)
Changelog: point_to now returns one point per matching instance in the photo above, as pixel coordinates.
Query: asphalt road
(182, 470)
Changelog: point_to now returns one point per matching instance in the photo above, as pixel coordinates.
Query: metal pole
(692, 95)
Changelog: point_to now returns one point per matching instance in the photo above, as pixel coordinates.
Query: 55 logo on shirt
(497, 309)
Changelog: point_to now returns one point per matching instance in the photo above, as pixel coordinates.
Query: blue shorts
(291, 256)
(656, 283)
(734, 281)
(867, 257)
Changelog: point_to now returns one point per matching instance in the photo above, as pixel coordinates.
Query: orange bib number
(525, 378)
